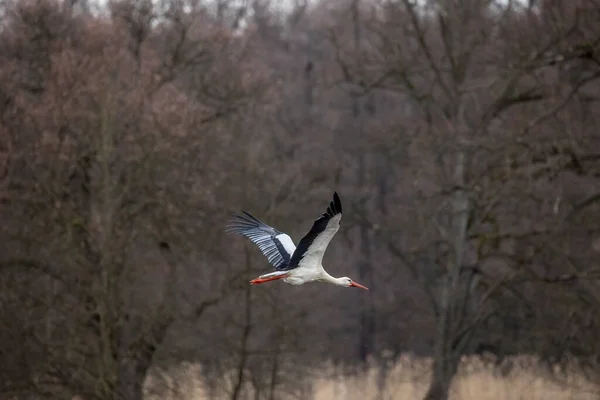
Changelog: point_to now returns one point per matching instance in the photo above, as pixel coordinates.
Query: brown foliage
(461, 136)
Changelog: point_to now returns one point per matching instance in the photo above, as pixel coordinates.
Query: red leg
(263, 280)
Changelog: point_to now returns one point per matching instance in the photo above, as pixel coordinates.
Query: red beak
(358, 285)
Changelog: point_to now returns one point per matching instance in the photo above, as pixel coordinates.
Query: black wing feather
(264, 236)
(335, 208)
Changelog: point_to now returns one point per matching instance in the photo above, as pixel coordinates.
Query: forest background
(462, 136)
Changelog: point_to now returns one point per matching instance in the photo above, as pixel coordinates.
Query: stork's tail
(270, 277)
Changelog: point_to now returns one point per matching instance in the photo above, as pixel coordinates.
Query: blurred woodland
(462, 136)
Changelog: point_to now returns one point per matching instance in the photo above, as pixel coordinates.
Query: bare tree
(460, 135)
(440, 58)
(106, 180)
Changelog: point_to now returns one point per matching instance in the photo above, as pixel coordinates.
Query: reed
(517, 378)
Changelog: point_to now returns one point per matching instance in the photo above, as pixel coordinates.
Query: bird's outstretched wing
(277, 246)
(312, 246)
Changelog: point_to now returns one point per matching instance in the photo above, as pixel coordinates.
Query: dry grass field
(406, 380)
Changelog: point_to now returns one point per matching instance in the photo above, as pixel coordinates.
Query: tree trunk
(440, 384)
(130, 383)
(444, 362)
(365, 272)
(448, 351)
(239, 384)
(132, 371)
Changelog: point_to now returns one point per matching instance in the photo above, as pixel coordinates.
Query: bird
(295, 265)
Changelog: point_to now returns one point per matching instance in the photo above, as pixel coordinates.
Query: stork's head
(350, 283)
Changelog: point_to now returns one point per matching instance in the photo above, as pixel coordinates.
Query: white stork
(295, 265)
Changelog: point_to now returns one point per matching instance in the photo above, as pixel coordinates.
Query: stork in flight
(295, 265)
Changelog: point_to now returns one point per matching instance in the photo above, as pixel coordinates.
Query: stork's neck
(331, 279)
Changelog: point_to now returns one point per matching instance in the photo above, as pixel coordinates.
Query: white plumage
(295, 265)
